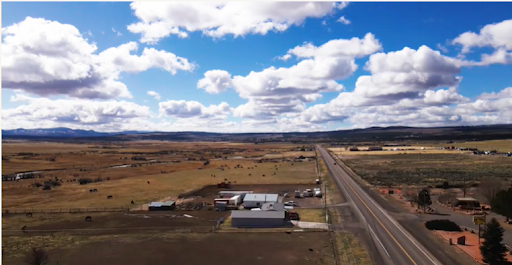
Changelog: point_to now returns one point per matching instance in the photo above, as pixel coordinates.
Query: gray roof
(260, 197)
(155, 204)
(168, 203)
(257, 214)
(272, 206)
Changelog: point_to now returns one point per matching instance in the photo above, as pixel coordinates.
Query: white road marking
(389, 217)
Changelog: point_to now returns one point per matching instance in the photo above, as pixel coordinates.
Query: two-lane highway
(396, 245)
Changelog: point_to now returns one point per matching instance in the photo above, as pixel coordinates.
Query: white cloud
(442, 48)
(119, 34)
(497, 36)
(215, 81)
(285, 57)
(154, 95)
(73, 113)
(193, 109)
(281, 91)
(45, 58)
(343, 20)
(161, 19)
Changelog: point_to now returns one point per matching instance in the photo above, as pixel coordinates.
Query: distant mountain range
(61, 132)
(396, 133)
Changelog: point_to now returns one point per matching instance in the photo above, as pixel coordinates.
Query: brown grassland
(427, 169)
(160, 248)
(167, 178)
(165, 171)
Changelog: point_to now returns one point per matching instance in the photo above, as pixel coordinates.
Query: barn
(257, 219)
(256, 200)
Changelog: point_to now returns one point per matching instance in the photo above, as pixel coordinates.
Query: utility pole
(464, 187)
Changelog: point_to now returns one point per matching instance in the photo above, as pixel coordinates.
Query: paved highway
(395, 244)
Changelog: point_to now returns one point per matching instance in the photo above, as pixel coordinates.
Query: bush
(52, 183)
(443, 225)
(83, 181)
(98, 179)
(47, 187)
(37, 185)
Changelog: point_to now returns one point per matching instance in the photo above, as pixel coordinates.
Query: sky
(254, 66)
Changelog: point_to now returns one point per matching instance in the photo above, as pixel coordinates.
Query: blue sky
(394, 26)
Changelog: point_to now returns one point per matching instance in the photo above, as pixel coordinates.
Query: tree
(424, 198)
(489, 187)
(501, 203)
(37, 256)
(446, 185)
(492, 249)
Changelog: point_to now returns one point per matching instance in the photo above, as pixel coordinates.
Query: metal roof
(466, 199)
(168, 203)
(234, 192)
(257, 214)
(272, 206)
(155, 204)
(260, 197)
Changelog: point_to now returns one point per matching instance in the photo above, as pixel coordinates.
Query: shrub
(52, 183)
(98, 179)
(83, 181)
(37, 185)
(443, 225)
(47, 187)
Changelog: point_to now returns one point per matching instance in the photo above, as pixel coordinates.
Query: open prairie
(427, 169)
(141, 171)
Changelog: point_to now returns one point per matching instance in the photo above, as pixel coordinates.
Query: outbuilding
(256, 200)
(466, 203)
(257, 219)
(162, 206)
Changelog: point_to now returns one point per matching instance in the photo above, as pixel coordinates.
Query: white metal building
(256, 200)
(255, 219)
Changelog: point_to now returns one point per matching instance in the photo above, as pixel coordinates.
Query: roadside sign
(479, 220)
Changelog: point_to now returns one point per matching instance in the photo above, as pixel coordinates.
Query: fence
(64, 210)
(113, 230)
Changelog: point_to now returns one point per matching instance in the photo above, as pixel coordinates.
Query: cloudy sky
(255, 66)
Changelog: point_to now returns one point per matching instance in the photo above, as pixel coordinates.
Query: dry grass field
(427, 169)
(498, 145)
(390, 151)
(167, 168)
(160, 248)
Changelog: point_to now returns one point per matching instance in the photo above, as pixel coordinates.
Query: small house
(256, 200)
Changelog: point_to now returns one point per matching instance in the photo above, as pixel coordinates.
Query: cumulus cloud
(497, 36)
(215, 81)
(193, 109)
(46, 57)
(154, 94)
(281, 91)
(74, 113)
(162, 19)
(343, 20)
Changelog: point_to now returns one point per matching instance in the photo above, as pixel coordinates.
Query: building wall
(257, 222)
(253, 204)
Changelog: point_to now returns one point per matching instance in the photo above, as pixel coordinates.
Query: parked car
(291, 203)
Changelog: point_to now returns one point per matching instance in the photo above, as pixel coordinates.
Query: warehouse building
(257, 219)
(256, 200)
(162, 206)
